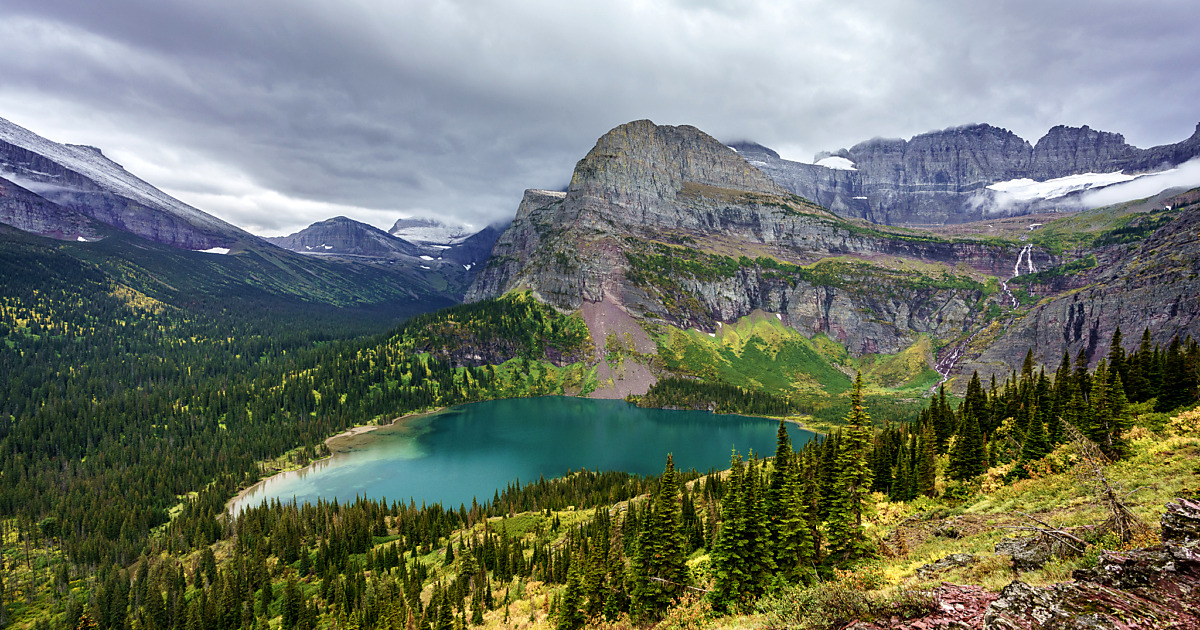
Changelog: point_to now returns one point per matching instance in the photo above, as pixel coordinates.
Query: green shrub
(834, 604)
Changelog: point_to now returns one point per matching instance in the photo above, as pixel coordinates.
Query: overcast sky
(273, 114)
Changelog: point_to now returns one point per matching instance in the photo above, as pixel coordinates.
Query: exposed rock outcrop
(952, 561)
(29, 212)
(644, 184)
(941, 177)
(1029, 553)
(1181, 522)
(1150, 285)
(1149, 588)
(83, 180)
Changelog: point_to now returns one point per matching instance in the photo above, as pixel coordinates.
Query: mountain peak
(640, 159)
(430, 232)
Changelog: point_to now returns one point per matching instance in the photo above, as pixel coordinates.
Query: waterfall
(1027, 254)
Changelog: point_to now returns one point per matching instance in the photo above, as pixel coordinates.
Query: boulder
(1181, 522)
(1030, 553)
(951, 561)
(1156, 588)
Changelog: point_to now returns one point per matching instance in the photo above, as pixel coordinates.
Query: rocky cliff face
(1151, 284)
(26, 211)
(83, 180)
(941, 177)
(647, 195)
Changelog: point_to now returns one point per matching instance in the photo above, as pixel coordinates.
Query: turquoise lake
(470, 451)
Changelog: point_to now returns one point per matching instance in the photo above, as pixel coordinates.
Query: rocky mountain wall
(940, 177)
(1150, 285)
(645, 185)
(83, 180)
(29, 212)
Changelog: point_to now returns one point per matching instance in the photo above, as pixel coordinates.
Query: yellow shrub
(1187, 423)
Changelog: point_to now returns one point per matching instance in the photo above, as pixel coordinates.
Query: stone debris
(1181, 521)
(951, 561)
(1030, 553)
(1155, 588)
(958, 606)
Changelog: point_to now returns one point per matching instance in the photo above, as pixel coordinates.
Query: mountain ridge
(635, 230)
(942, 177)
(82, 179)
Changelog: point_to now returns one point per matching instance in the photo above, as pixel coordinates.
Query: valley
(147, 378)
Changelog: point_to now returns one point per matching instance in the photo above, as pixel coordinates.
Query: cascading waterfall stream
(949, 360)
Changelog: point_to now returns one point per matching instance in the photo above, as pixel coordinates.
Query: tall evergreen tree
(926, 461)
(570, 613)
(1137, 388)
(1116, 444)
(791, 542)
(847, 540)
(1036, 445)
(943, 419)
(968, 457)
(1178, 382)
(659, 568)
(742, 556)
(1099, 421)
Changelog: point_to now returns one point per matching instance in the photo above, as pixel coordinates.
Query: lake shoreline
(351, 439)
(348, 447)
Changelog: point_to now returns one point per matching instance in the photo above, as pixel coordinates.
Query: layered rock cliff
(942, 177)
(1150, 284)
(29, 212)
(83, 180)
(675, 226)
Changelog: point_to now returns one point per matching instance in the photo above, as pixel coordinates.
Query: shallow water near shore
(455, 455)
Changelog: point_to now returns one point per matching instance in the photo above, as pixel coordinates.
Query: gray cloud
(276, 113)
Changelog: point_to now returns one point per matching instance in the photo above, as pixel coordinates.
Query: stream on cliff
(947, 362)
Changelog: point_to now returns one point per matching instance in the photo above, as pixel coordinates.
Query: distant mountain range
(457, 253)
(74, 193)
(666, 229)
(965, 173)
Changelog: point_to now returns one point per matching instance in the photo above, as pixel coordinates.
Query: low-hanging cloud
(385, 108)
(1186, 175)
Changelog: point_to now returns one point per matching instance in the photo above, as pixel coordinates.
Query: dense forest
(116, 405)
(126, 423)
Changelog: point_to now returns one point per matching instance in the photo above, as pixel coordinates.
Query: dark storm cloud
(274, 114)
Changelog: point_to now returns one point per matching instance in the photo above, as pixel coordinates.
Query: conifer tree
(1083, 380)
(853, 479)
(791, 542)
(1121, 421)
(1137, 387)
(659, 568)
(1100, 417)
(1116, 357)
(742, 558)
(926, 461)
(976, 399)
(1036, 445)
(943, 419)
(968, 457)
(1178, 382)
(570, 614)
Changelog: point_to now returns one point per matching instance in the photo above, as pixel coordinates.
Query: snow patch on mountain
(836, 163)
(431, 232)
(1025, 189)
